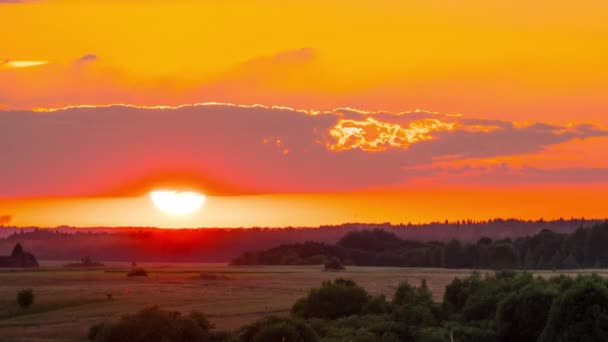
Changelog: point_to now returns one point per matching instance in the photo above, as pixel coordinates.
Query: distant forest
(584, 248)
(223, 245)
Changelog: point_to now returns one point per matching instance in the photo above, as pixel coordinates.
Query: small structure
(19, 258)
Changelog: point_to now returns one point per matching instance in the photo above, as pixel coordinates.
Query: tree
(332, 300)
(277, 329)
(579, 314)
(25, 298)
(570, 262)
(407, 294)
(454, 255)
(502, 255)
(521, 316)
(155, 325)
(334, 264)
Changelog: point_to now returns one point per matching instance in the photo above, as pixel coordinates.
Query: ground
(69, 301)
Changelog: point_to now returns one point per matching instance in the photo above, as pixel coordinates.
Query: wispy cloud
(17, 64)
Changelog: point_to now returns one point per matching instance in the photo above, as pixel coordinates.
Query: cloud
(505, 174)
(87, 58)
(230, 149)
(17, 64)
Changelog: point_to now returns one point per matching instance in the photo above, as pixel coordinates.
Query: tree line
(583, 248)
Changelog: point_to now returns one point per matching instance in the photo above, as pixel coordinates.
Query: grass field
(69, 301)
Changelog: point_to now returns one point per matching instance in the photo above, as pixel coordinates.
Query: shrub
(277, 329)
(332, 300)
(334, 264)
(25, 298)
(137, 272)
(155, 325)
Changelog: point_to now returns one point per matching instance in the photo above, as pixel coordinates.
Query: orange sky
(528, 80)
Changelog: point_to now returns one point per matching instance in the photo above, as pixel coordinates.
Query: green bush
(277, 329)
(25, 298)
(155, 325)
(332, 300)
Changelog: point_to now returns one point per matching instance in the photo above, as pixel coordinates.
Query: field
(69, 301)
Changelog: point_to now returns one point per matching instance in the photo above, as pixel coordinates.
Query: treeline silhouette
(224, 244)
(504, 307)
(583, 248)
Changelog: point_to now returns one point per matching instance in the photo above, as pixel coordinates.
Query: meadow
(69, 300)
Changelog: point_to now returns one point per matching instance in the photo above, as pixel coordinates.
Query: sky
(302, 112)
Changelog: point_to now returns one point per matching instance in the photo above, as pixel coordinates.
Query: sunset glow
(329, 105)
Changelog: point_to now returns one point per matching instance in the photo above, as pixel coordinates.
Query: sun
(177, 202)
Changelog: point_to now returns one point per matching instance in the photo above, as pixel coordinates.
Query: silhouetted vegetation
(155, 325)
(332, 300)
(220, 245)
(334, 264)
(501, 307)
(277, 329)
(584, 248)
(25, 298)
(18, 258)
(137, 272)
(85, 262)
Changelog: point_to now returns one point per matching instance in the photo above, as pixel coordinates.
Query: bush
(137, 272)
(334, 264)
(277, 329)
(332, 300)
(155, 325)
(25, 298)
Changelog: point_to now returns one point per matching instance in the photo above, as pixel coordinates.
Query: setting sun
(177, 202)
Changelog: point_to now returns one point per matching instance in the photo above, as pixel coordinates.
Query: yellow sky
(528, 52)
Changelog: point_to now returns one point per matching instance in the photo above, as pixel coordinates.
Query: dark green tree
(522, 315)
(579, 314)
